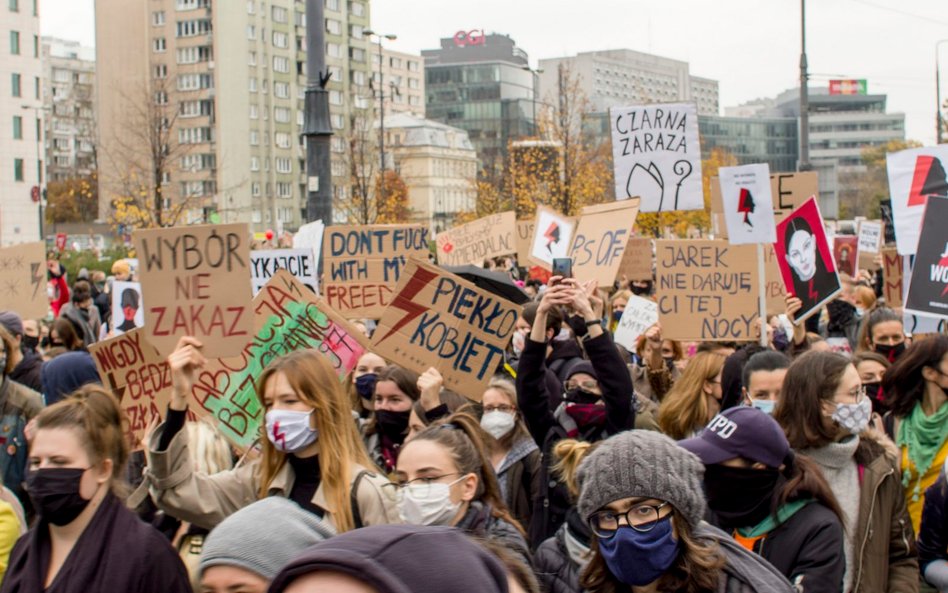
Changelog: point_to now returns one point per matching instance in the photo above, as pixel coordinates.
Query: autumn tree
(72, 200)
(861, 191)
(392, 198)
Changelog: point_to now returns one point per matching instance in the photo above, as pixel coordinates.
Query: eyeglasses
(855, 394)
(588, 385)
(422, 488)
(501, 408)
(641, 517)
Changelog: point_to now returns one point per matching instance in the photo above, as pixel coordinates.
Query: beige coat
(206, 500)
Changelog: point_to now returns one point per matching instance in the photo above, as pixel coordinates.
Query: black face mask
(581, 396)
(641, 290)
(55, 493)
(891, 353)
(365, 385)
(394, 425)
(740, 496)
(29, 343)
(874, 391)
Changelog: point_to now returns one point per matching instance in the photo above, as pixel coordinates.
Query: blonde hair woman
(694, 398)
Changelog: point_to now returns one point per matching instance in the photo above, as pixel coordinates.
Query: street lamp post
(38, 196)
(536, 73)
(939, 121)
(390, 37)
(316, 125)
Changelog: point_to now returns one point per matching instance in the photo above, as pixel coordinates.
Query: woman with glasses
(695, 397)
(641, 495)
(444, 477)
(915, 388)
(824, 412)
(773, 502)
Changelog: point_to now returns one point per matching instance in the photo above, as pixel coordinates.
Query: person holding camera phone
(599, 399)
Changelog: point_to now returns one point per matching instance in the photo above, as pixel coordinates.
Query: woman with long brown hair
(311, 453)
(694, 398)
(396, 389)
(641, 495)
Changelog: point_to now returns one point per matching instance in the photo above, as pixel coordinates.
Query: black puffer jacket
(480, 521)
(560, 560)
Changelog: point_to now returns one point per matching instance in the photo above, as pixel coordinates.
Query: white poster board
(128, 312)
(870, 236)
(300, 262)
(552, 237)
(748, 204)
(639, 315)
(914, 175)
(310, 236)
(657, 156)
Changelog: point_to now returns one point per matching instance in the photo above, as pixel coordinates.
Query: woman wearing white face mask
(825, 413)
(514, 455)
(312, 451)
(444, 477)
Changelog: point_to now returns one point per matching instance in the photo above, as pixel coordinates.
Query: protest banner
(928, 286)
(127, 306)
(845, 254)
(914, 175)
(870, 235)
(525, 241)
(310, 236)
(805, 260)
(439, 320)
(892, 264)
(774, 290)
(289, 317)
(552, 237)
(888, 222)
(748, 204)
(637, 260)
(639, 315)
(364, 263)
(656, 156)
(484, 238)
(788, 191)
(195, 282)
(264, 263)
(23, 280)
(601, 237)
(707, 290)
(132, 369)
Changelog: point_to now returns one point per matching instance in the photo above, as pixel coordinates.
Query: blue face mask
(637, 558)
(365, 385)
(764, 405)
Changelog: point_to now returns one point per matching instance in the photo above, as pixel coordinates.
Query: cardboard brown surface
(707, 290)
(600, 240)
(484, 238)
(788, 190)
(23, 280)
(775, 290)
(363, 263)
(524, 239)
(892, 277)
(196, 282)
(637, 259)
(439, 320)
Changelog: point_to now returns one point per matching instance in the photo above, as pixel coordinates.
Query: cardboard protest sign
(601, 239)
(870, 242)
(552, 237)
(892, 265)
(639, 315)
(928, 287)
(195, 280)
(787, 190)
(656, 156)
(888, 222)
(846, 253)
(364, 263)
(484, 238)
(138, 376)
(128, 312)
(23, 280)
(707, 290)
(264, 263)
(637, 260)
(439, 320)
(310, 236)
(804, 257)
(525, 240)
(774, 291)
(289, 317)
(914, 175)
(748, 204)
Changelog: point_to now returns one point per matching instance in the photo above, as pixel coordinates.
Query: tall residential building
(21, 123)
(231, 79)
(69, 103)
(404, 77)
(619, 77)
(438, 164)
(480, 83)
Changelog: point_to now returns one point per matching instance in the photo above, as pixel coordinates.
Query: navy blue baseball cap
(741, 432)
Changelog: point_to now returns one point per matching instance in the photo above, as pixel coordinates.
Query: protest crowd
(419, 416)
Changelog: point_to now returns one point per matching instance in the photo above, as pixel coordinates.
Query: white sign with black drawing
(657, 156)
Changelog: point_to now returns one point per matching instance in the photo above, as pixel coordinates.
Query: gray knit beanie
(646, 464)
(263, 537)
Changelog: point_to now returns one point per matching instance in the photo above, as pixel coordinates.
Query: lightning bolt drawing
(37, 276)
(279, 436)
(403, 300)
(944, 262)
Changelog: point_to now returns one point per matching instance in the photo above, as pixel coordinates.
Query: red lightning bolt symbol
(743, 206)
(38, 276)
(944, 262)
(403, 300)
(279, 437)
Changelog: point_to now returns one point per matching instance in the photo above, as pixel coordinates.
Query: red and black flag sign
(928, 180)
(745, 205)
(928, 288)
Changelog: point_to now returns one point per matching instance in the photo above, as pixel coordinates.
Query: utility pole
(316, 126)
(939, 120)
(804, 164)
(390, 37)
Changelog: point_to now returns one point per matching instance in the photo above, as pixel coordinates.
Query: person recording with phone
(598, 400)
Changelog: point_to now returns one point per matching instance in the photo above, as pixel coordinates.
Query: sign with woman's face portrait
(805, 260)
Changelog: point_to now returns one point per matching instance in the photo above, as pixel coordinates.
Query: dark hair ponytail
(804, 480)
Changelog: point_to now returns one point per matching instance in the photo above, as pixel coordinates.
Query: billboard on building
(855, 86)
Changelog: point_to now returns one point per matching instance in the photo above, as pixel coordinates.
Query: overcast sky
(751, 47)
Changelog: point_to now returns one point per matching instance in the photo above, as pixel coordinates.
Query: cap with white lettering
(741, 432)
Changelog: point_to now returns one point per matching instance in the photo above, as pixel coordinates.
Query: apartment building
(69, 105)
